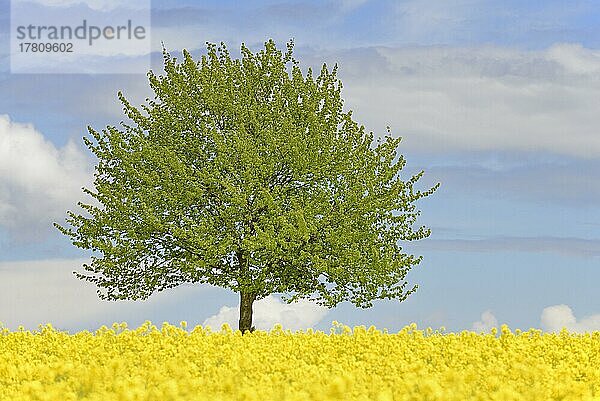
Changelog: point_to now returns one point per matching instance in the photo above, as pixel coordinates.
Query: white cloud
(418, 19)
(38, 182)
(487, 322)
(46, 291)
(480, 98)
(575, 58)
(269, 311)
(554, 318)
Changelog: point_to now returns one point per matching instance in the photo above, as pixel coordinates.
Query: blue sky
(497, 100)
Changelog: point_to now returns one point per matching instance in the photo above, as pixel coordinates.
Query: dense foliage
(247, 174)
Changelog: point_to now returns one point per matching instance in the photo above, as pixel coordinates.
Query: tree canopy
(246, 173)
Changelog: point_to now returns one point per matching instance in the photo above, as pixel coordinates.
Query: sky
(496, 100)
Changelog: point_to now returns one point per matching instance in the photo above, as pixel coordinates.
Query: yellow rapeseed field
(172, 363)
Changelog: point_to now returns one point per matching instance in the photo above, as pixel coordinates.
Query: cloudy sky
(497, 100)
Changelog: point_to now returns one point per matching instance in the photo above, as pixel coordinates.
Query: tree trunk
(246, 301)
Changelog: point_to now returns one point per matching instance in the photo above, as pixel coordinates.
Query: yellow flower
(151, 364)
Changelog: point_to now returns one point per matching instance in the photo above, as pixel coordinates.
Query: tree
(247, 174)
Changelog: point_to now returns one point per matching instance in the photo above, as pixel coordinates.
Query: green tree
(247, 174)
